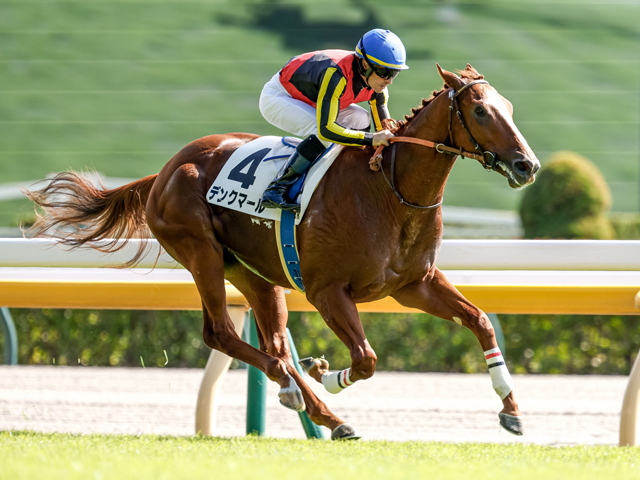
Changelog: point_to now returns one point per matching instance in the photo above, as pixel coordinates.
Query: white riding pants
(280, 109)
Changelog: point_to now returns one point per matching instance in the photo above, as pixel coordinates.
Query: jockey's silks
(329, 81)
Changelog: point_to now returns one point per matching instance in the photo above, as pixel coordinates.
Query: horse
(365, 235)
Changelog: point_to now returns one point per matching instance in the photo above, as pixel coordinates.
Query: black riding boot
(276, 194)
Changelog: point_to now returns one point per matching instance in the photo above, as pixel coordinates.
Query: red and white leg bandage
(500, 377)
(335, 382)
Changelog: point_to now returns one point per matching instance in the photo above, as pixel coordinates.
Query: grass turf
(28, 455)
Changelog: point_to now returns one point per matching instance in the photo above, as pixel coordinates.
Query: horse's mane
(464, 74)
(414, 111)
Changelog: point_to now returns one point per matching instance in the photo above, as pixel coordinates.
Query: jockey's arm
(379, 109)
(327, 109)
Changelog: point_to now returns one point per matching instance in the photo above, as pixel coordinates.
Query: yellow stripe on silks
(281, 255)
(334, 109)
(375, 109)
(374, 113)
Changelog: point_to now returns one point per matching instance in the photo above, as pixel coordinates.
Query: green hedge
(108, 337)
(626, 225)
(414, 343)
(569, 199)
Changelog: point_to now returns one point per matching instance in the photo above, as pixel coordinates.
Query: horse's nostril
(521, 167)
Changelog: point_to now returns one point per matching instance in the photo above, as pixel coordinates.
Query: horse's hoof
(291, 396)
(307, 363)
(344, 432)
(511, 423)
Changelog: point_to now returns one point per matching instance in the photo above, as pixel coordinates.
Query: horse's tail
(78, 213)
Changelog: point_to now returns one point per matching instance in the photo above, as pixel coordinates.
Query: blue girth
(288, 249)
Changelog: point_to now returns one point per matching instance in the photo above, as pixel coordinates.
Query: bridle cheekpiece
(489, 159)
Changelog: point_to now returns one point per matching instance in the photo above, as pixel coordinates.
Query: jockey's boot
(276, 194)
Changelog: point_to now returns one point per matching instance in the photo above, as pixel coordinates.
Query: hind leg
(437, 296)
(341, 315)
(270, 309)
(181, 221)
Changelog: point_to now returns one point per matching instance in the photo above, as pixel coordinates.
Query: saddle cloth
(252, 167)
(249, 171)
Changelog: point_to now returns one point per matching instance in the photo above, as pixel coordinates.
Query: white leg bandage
(335, 382)
(500, 377)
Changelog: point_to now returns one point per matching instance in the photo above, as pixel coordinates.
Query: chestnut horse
(365, 235)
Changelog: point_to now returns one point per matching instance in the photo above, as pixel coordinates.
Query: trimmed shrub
(626, 225)
(569, 199)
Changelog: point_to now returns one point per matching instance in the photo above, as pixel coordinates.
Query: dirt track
(557, 410)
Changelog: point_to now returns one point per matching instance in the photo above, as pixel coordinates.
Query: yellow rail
(183, 295)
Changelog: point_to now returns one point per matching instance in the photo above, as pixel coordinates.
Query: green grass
(121, 86)
(27, 455)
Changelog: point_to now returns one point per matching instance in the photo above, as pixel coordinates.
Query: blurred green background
(121, 86)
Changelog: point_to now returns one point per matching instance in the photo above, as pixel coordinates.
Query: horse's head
(486, 124)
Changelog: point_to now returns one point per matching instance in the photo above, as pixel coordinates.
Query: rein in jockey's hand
(382, 138)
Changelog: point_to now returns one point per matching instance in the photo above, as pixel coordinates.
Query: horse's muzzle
(523, 171)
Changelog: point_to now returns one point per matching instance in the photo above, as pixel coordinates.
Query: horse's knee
(481, 326)
(365, 366)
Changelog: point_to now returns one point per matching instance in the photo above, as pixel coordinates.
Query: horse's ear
(450, 79)
(469, 68)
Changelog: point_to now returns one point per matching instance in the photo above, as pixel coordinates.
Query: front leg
(437, 296)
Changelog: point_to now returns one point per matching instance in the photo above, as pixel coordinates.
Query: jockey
(314, 96)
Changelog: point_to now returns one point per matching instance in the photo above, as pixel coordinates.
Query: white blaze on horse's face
(522, 162)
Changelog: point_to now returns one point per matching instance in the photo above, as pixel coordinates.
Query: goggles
(384, 72)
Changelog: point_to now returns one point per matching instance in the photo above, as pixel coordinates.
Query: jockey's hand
(382, 138)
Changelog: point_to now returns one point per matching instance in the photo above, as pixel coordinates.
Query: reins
(487, 158)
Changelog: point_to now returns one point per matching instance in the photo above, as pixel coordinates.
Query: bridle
(489, 159)
(486, 158)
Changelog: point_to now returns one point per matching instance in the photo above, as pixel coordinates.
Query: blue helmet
(382, 48)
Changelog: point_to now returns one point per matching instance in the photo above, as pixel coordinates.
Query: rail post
(311, 429)
(630, 405)
(256, 390)
(497, 327)
(217, 366)
(10, 337)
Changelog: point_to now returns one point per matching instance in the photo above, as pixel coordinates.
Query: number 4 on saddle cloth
(249, 171)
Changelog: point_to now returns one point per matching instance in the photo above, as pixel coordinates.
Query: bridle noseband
(488, 159)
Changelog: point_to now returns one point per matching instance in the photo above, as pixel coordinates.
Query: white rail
(614, 255)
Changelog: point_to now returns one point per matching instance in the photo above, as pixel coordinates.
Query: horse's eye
(480, 111)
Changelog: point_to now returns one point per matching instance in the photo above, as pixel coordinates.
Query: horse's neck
(421, 172)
